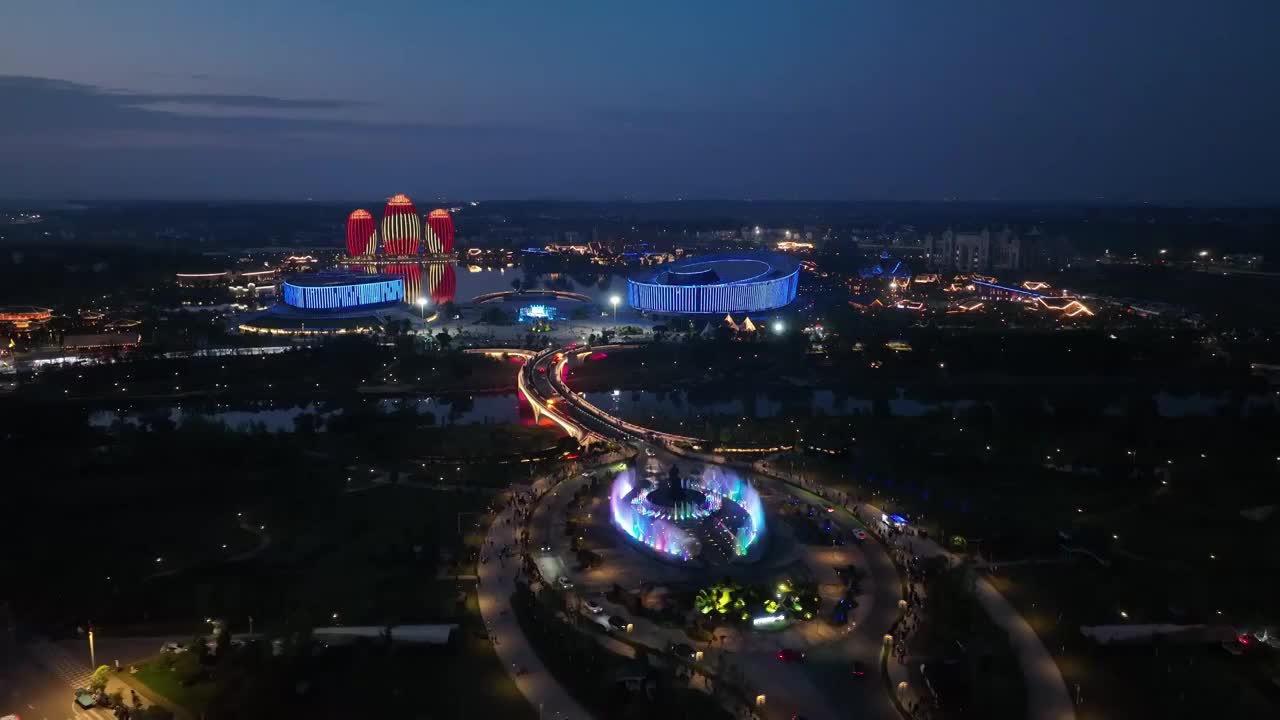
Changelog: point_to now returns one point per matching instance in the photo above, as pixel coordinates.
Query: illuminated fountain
(669, 515)
(658, 533)
(727, 485)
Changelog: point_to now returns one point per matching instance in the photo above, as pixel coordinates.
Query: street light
(422, 306)
(778, 327)
(614, 300)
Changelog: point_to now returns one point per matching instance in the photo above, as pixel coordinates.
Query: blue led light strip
(720, 298)
(331, 297)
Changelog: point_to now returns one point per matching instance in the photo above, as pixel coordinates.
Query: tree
(516, 284)
(200, 649)
(98, 681)
(307, 423)
(494, 315)
(222, 643)
(444, 338)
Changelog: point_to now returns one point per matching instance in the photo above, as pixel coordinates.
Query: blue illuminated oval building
(733, 282)
(342, 291)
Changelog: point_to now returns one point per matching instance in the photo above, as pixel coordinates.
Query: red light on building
(362, 233)
(401, 228)
(411, 274)
(442, 282)
(439, 232)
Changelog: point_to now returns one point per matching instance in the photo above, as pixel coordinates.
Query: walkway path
(497, 583)
(821, 687)
(1047, 696)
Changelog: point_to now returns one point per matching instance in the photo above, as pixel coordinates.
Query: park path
(494, 590)
(1047, 695)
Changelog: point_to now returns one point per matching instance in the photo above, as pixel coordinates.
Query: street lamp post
(614, 302)
(93, 660)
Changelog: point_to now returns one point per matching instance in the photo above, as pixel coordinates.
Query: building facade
(401, 227)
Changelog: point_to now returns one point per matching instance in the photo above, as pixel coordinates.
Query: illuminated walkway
(493, 592)
(1047, 695)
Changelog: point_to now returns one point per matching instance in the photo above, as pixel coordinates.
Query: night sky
(1129, 100)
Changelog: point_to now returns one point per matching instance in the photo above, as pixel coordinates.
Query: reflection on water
(634, 405)
(496, 408)
(638, 405)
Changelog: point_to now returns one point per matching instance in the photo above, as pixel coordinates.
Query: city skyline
(1091, 102)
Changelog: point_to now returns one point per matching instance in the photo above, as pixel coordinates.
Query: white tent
(748, 326)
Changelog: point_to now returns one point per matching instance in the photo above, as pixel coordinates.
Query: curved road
(493, 593)
(1047, 695)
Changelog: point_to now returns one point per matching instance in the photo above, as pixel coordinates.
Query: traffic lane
(831, 667)
(885, 592)
(833, 663)
(30, 691)
(788, 687)
(817, 687)
(127, 650)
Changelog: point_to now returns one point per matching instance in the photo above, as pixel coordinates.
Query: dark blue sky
(1173, 101)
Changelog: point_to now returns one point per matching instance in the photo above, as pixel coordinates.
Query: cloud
(51, 107)
(194, 103)
(59, 137)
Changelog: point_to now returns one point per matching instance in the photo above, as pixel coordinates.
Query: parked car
(859, 534)
(617, 622)
(595, 607)
(681, 649)
(173, 647)
(840, 615)
(564, 582)
(791, 655)
(85, 699)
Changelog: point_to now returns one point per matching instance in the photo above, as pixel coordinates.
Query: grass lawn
(1151, 680)
(158, 675)
(482, 440)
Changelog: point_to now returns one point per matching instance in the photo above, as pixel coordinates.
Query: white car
(565, 582)
(173, 647)
(595, 607)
